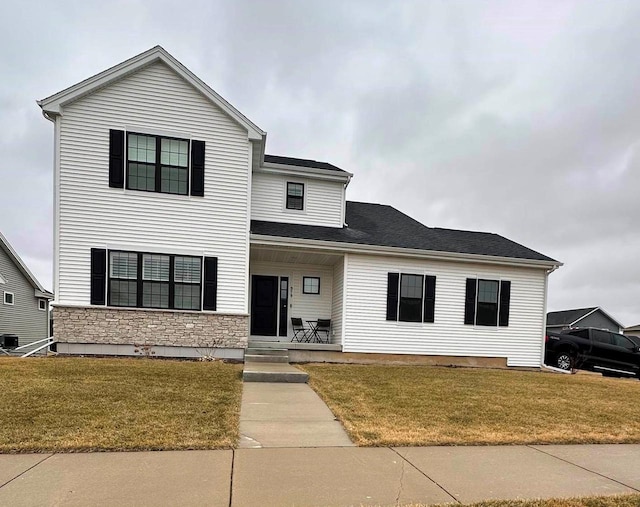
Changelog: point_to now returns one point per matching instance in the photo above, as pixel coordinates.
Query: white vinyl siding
(305, 306)
(156, 101)
(337, 301)
(367, 330)
(323, 200)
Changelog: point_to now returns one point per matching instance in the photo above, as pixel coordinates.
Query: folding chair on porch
(300, 333)
(323, 330)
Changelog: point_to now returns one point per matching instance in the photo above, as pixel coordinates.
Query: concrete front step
(272, 372)
(267, 358)
(265, 352)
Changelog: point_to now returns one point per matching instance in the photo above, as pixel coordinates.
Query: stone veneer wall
(119, 326)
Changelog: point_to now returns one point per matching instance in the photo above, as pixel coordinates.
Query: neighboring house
(632, 330)
(175, 230)
(582, 317)
(24, 308)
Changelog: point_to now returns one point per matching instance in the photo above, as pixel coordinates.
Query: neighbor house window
(157, 164)
(411, 297)
(42, 305)
(311, 285)
(155, 280)
(295, 196)
(487, 302)
(9, 298)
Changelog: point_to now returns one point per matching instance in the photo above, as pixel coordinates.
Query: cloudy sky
(520, 118)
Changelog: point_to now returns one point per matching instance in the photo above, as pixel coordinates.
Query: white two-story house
(175, 232)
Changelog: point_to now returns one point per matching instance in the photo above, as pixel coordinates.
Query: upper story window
(487, 302)
(42, 304)
(295, 196)
(157, 164)
(153, 163)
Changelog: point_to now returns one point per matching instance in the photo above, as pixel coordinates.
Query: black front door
(264, 305)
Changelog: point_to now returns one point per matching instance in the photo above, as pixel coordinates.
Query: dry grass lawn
(594, 501)
(82, 404)
(422, 405)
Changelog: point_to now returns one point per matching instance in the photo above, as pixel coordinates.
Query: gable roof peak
(22, 267)
(54, 104)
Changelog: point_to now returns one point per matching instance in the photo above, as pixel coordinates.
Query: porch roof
(382, 225)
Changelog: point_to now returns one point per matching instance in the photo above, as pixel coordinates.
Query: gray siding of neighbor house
(23, 318)
(599, 320)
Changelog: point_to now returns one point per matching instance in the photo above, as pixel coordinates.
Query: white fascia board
(44, 295)
(594, 311)
(6, 246)
(54, 104)
(585, 315)
(259, 239)
(308, 172)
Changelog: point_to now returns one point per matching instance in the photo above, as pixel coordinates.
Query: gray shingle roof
(381, 225)
(301, 162)
(566, 317)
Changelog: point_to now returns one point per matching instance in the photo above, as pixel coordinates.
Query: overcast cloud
(520, 118)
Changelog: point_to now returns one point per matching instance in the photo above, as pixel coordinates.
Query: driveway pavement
(337, 476)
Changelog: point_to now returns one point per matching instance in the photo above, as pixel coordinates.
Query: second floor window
(295, 196)
(157, 164)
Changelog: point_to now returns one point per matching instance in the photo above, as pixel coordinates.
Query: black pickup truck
(612, 354)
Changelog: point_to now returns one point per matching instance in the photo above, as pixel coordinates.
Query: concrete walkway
(339, 476)
(287, 415)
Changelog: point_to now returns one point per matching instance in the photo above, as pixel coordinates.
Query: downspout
(344, 202)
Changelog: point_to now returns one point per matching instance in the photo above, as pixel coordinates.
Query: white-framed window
(42, 305)
(295, 196)
(162, 280)
(487, 302)
(311, 285)
(411, 297)
(9, 298)
(157, 164)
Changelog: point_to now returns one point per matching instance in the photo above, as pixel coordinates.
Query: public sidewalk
(337, 476)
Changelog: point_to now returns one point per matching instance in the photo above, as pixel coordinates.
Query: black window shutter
(470, 302)
(197, 168)
(116, 158)
(210, 283)
(392, 296)
(98, 275)
(505, 298)
(429, 298)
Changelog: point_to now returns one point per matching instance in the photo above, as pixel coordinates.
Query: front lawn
(82, 404)
(422, 405)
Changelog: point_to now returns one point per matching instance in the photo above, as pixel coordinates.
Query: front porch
(286, 283)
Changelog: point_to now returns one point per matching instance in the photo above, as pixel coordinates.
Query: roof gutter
(284, 242)
(326, 174)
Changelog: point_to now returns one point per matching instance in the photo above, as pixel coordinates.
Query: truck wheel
(564, 361)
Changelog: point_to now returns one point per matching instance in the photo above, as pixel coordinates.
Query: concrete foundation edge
(321, 356)
(98, 349)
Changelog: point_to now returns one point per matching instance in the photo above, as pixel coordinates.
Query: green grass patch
(421, 405)
(82, 404)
